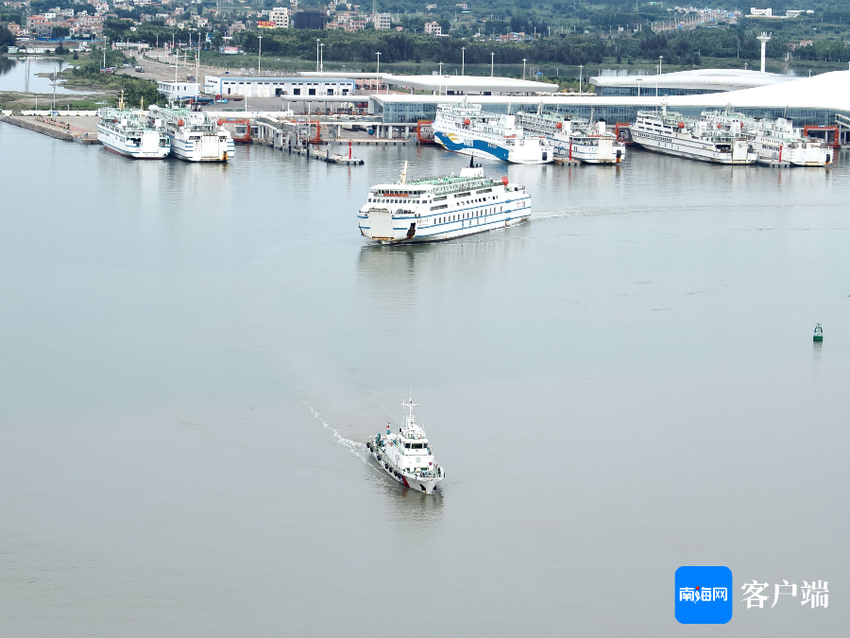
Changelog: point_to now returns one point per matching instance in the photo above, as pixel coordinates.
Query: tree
(6, 37)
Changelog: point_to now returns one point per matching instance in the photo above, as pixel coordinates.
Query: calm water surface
(192, 356)
(22, 75)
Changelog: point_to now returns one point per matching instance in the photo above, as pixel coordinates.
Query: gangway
(843, 123)
(827, 133)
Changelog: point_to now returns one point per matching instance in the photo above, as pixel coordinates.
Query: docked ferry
(132, 133)
(196, 136)
(464, 129)
(575, 138)
(774, 140)
(674, 134)
(438, 208)
(407, 456)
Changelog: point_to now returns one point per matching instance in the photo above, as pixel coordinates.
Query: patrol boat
(440, 208)
(407, 456)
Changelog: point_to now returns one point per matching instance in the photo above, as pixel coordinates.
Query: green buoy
(818, 336)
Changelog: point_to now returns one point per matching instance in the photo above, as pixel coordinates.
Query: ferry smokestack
(764, 39)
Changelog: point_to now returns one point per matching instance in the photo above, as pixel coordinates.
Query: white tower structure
(763, 38)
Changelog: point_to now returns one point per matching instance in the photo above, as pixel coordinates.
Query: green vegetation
(6, 37)
(557, 32)
(89, 75)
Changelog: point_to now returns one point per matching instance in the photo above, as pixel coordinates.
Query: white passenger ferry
(440, 208)
(463, 128)
(674, 134)
(407, 456)
(575, 138)
(196, 136)
(132, 133)
(774, 140)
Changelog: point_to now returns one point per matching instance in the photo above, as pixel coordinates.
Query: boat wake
(556, 214)
(355, 447)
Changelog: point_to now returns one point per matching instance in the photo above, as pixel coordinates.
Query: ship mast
(409, 404)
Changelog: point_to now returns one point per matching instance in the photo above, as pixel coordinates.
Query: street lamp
(378, 73)
(492, 62)
(660, 58)
(462, 60)
(54, 86)
(317, 53)
(580, 77)
(523, 68)
(259, 51)
(441, 69)
(322, 57)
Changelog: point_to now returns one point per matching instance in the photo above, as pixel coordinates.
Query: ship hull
(203, 151)
(149, 149)
(589, 154)
(471, 146)
(693, 149)
(375, 225)
(811, 157)
(407, 480)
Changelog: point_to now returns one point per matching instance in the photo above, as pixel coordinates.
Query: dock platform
(359, 141)
(563, 161)
(324, 155)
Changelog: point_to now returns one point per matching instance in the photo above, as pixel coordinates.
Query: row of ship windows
(462, 216)
(375, 200)
(396, 201)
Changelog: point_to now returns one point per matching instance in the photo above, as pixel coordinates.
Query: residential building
(382, 21)
(433, 28)
(280, 17)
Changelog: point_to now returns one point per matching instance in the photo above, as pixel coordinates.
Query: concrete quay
(69, 128)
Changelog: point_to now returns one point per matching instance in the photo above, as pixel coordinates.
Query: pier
(71, 127)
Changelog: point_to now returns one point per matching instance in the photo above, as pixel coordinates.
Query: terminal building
(288, 87)
(818, 101)
(696, 82)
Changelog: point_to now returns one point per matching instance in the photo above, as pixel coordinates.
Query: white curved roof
(825, 92)
(830, 91)
(469, 84)
(709, 79)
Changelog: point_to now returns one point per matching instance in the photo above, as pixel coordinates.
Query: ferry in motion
(464, 129)
(439, 208)
(407, 456)
(673, 134)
